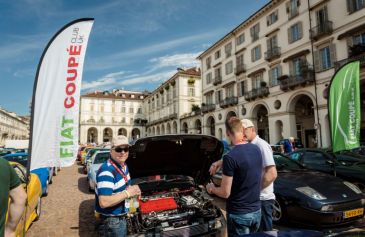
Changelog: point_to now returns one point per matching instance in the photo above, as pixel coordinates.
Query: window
(274, 74)
(209, 78)
(324, 57)
(295, 32)
(296, 66)
(218, 96)
(123, 110)
(292, 8)
(191, 90)
(239, 60)
(256, 53)
(131, 110)
(229, 67)
(139, 111)
(255, 32)
(240, 39)
(272, 18)
(256, 80)
(208, 62)
(91, 107)
(217, 54)
(217, 73)
(131, 120)
(358, 39)
(241, 88)
(230, 91)
(209, 98)
(354, 5)
(272, 43)
(322, 18)
(228, 49)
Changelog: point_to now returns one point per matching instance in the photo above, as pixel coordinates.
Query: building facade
(12, 127)
(179, 96)
(274, 68)
(104, 115)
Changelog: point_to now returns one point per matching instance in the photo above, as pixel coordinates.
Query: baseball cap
(246, 123)
(119, 141)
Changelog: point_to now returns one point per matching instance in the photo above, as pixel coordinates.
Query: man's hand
(215, 167)
(209, 188)
(134, 190)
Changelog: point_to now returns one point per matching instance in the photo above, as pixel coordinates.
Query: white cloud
(157, 77)
(106, 81)
(178, 60)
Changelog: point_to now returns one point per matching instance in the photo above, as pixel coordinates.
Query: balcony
(217, 80)
(272, 53)
(321, 30)
(257, 93)
(173, 116)
(293, 81)
(240, 68)
(140, 122)
(208, 108)
(357, 52)
(229, 101)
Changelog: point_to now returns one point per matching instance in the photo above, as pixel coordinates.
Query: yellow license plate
(352, 213)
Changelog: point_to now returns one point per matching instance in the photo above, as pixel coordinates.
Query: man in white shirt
(269, 174)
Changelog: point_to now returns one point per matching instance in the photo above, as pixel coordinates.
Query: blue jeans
(239, 224)
(266, 215)
(113, 227)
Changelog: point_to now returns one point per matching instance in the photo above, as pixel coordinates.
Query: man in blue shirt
(113, 191)
(241, 182)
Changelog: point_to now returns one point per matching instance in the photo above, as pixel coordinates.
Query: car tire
(45, 194)
(55, 171)
(278, 211)
(91, 190)
(38, 209)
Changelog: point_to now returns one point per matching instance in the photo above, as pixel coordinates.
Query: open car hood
(189, 155)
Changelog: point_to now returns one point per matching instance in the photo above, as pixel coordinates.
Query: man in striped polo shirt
(113, 188)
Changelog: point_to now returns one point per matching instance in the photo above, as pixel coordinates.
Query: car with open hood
(171, 171)
(313, 198)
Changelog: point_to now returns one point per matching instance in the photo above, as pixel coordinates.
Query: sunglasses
(120, 149)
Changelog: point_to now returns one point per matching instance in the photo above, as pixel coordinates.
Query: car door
(319, 161)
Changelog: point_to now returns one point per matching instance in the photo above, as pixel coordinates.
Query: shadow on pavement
(83, 185)
(87, 218)
(81, 170)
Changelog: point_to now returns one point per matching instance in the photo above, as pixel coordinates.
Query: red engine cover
(157, 205)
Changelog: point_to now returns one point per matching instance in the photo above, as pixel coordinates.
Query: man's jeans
(266, 215)
(239, 224)
(112, 227)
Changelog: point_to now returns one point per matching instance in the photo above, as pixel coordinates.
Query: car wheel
(278, 211)
(361, 186)
(46, 190)
(55, 171)
(38, 209)
(91, 189)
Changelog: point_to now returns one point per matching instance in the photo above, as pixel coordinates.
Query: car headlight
(327, 208)
(352, 187)
(310, 192)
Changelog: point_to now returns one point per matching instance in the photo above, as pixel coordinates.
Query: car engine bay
(171, 210)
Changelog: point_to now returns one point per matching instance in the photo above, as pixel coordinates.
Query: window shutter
(279, 71)
(259, 51)
(325, 13)
(287, 5)
(300, 27)
(251, 31)
(291, 68)
(252, 55)
(216, 97)
(268, 20)
(239, 89)
(258, 28)
(271, 78)
(333, 54)
(290, 38)
(317, 61)
(350, 7)
(298, 3)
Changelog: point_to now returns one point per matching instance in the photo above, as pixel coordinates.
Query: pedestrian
(113, 190)
(269, 174)
(241, 182)
(10, 187)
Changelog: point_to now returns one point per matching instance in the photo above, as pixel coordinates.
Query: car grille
(346, 206)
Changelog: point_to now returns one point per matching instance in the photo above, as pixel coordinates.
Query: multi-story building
(104, 115)
(12, 127)
(275, 67)
(177, 97)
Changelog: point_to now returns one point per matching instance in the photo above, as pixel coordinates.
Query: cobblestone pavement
(68, 210)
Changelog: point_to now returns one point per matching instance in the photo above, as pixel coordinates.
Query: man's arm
(224, 191)
(215, 167)
(269, 176)
(17, 204)
(112, 200)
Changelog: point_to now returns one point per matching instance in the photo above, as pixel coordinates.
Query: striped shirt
(108, 182)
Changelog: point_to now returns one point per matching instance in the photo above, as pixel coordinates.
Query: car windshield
(101, 157)
(20, 159)
(285, 163)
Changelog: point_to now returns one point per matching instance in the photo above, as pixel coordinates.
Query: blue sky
(134, 45)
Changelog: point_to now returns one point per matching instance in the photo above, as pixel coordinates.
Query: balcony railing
(240, 68)
(272, 53)
(229, 101)
(257, 93)
(292, 81)
(217, 80)
(208, 108)
(321, 30)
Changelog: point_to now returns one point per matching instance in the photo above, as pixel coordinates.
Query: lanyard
(120, 172)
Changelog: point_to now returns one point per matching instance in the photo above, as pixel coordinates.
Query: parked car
(313, 198)
(345, 166)
(44, 174)
(88, 156)
(170, 171)
(83, 154)
(93, 166)
(34, 203)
